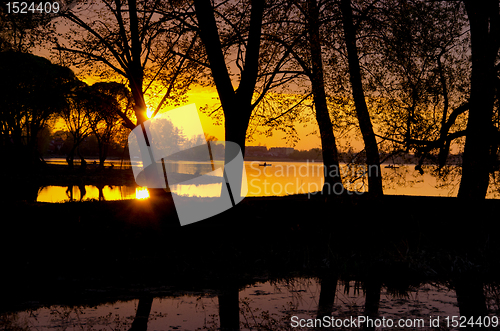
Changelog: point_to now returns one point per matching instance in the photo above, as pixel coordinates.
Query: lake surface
(275, 305)
(277, 179)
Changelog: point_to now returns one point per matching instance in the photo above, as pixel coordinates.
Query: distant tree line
(401, 75)
(38, 95)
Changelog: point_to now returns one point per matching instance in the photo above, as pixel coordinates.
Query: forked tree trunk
(236, 105)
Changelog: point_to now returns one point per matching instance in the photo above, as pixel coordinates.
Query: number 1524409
(32, 7)
(463, 321)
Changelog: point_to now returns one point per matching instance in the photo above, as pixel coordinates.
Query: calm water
(262, 305)
(277, 179)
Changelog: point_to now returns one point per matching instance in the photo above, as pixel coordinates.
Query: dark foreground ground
(89, 252)
(56, 253)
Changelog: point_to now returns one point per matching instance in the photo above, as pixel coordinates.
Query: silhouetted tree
(300, 59)
(303, 38)
(109, 100)
(236, 104)
(328, 144)
(365, 124)
(77, 118)
(480, 133)
(414, 69)
(132, 40)
(33, 93)
(425, 86)
(22, 32)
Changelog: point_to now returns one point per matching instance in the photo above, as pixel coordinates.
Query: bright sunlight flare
(141, 193)
(149, 112)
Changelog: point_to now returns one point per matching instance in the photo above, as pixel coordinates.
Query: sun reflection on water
(141, 193)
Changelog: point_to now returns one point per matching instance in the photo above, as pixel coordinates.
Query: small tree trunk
(70, 157)
(103, 153)
(83, 163)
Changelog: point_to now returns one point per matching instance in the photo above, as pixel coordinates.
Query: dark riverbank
(85, 251)
(54, 174)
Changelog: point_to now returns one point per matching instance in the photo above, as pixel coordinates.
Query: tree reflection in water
(403, 180)
(140, 322)
(271, 306)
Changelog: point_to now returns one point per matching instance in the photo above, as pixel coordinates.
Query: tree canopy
(33, 92)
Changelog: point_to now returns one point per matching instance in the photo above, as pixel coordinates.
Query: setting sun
(149, 112)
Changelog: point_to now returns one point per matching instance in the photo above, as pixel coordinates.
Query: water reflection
(141, 193)
(55, 193)
(295, 303)
(280, 179)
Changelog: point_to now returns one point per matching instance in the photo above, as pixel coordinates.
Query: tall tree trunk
(136, 71)
(365, 124)
(135, 75)
(333, 180)
(483, 18)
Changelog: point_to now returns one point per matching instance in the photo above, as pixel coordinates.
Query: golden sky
(202, 96)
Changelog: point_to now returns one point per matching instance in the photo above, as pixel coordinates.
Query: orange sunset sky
(202, 96)
(207, 96)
